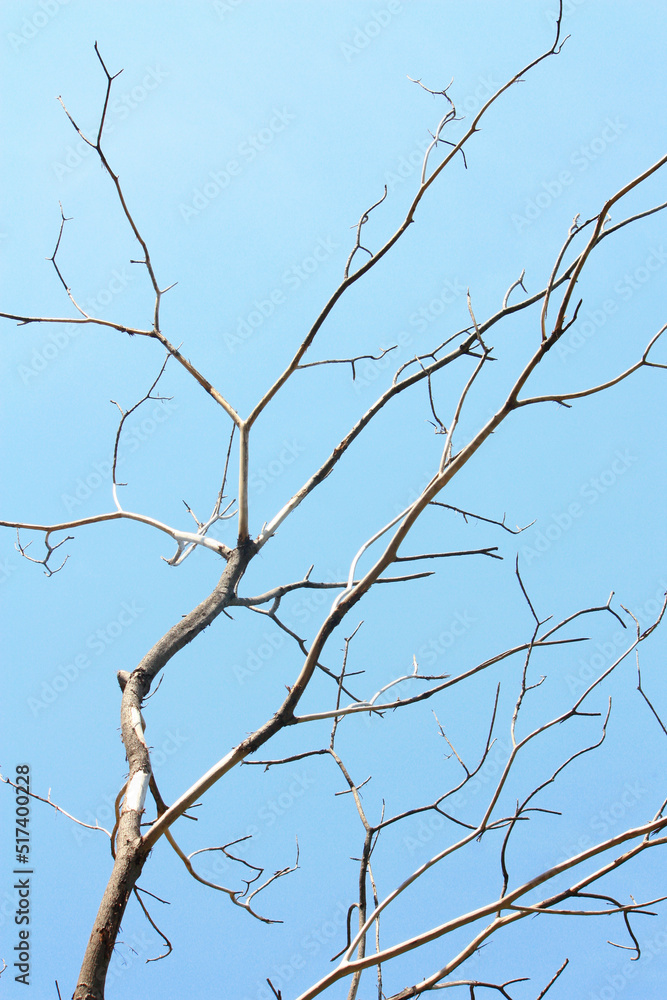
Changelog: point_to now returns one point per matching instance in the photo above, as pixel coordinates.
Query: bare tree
(517, 799)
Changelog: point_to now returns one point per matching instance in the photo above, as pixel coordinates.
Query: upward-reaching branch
(134, 836)
(426, 182)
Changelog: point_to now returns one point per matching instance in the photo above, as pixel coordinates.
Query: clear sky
(249, 137)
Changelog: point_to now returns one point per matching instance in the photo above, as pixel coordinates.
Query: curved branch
(409, 219)
(497, 907)
(182, 538)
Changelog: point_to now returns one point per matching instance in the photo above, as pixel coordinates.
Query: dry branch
(133, 836)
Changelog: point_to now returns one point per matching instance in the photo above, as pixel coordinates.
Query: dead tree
(384, 559)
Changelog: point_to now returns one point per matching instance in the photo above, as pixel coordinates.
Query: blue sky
(249, 138)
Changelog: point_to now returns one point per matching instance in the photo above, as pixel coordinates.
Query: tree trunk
(131, 850)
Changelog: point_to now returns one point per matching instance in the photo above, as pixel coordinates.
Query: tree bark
(131, 850)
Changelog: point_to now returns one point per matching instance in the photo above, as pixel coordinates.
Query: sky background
(312, 103)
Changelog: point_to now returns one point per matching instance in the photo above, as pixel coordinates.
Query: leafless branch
(50, 549)
(496, 910)
(515, 284)
(478, 517)
(266, 764)
(522, 808)
(582, 393)
(646, 698)
(133, 835)
(379, 255)
(47, 801)
(155, 331)
(348, 361)
(277, 593)
(155, 927)
(553, 979)
(124, 414)
(357, 246)
(235, 895)
(301, 643)
(182, 538)
(488, 551)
